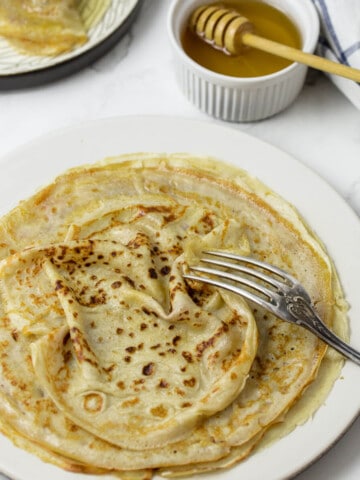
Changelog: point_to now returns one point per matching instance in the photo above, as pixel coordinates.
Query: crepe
(134, 367)
(105, 366)
(48, 27)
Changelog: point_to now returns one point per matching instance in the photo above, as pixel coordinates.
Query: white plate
(35, 164)
(13, 64)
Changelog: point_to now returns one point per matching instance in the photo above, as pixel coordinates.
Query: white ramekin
(242, 99)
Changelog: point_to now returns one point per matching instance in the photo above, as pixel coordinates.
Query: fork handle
(306, 316)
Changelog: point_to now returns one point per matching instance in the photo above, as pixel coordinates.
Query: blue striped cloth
(340, 39)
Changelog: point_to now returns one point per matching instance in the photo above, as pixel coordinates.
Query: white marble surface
(321, 129)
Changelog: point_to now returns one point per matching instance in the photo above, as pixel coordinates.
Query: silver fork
(287, 299)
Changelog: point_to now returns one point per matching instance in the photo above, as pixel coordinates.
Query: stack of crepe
(49, 27)
(112, 362)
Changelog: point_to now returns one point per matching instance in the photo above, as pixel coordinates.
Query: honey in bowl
(268, 22)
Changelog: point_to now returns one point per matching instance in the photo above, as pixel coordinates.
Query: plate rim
(173, 122)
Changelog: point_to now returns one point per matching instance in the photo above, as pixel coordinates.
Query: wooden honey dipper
(231, 32)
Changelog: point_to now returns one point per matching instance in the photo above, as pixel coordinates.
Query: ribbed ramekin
(237, 99)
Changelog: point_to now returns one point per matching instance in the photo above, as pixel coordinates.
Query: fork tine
(237, 279)
(232, 288)
(252, 261)
(243, 269)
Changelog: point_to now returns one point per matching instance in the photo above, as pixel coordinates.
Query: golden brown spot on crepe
(67, 356)
(138, 241)
(66, 338)
(139, 381)
(4, 322)
(159, 411)
(130, 403)
(148, 369)
(152, 273)
(110, 368)
(189, 382)
(176, 340)
(201, 347)
(165, 270)
(58, 285)
(93, 402)
(170, 218)
(188, 356)
(130, 349)
(70, 426)
(163, 383)
(179, 391)
(208, 221)
(81, 347)
(129, 281)
(15, 335)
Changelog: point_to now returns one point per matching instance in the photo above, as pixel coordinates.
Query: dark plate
(48, 73)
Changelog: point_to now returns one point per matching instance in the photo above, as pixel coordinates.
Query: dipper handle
(231, 32)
